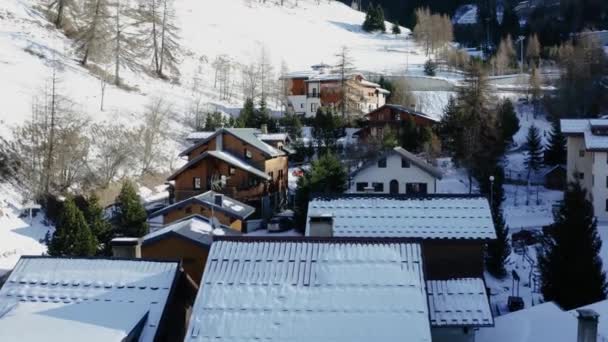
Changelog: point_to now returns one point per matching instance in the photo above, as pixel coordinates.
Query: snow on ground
(454, 181)
(18, 236)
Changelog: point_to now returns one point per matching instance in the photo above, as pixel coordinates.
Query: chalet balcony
(313, 95)
(260, 165)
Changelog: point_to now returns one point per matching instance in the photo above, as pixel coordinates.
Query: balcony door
(394, 187)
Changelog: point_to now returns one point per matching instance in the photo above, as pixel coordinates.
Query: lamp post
(491, 191)
(520, 40)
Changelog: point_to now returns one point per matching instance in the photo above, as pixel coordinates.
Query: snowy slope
(18, 236)
(299, 36)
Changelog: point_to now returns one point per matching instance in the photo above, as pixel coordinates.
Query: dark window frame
(382, 163)
(194, 180)
(405, 164)
(360, 186)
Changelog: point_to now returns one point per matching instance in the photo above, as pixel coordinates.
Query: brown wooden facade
(453, 258)
(241, 184)
(196, 208)
(391, 118)
(172, 247)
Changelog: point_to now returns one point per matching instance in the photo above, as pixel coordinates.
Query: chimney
(218, 199)
(587, 325)
(321, 225)
(126, 247)
(264, 129)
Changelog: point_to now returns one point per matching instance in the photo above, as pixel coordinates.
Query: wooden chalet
(187, 240)
(237, 163)
(211, 204)
(391, 117)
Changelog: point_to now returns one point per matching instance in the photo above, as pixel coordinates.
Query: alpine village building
(391, 117)
(238, 163)
(307, 91)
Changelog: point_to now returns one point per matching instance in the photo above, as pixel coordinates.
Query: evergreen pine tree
(100, 228)
(370, 17)
(534, 157)
(379, 22)
(555, 151)
(326, 175)
(430, 68)
(247, 114)
(509, 121)
(396, 29)
(72, 235)
(498, 250)
(132, 215)
(568, 259)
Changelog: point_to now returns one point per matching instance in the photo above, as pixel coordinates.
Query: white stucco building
(588, 159)
(395, 172)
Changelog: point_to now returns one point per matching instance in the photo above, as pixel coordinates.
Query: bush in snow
(131, 213)
(430, 68)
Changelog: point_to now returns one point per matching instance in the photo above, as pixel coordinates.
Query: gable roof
(85, 299)
(247, 135)
(459, 302)
(230, 207)
(311, 290)
(403, 109)
(403, 153)
(196, 228)
(438, 216)
(226, 157)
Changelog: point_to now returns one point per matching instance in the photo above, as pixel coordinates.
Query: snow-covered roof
(403, 153)
(584, 127)
(225, 156)
(459, 302)
(426, 217)
(230, 206)
(60, 299)
(196, 136)
(302, 290)
(247, 135)
(404, 109)
(196, 228)
(273, 136)
(543, 322)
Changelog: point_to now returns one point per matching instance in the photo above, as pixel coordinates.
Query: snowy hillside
(298, 36)
(18, 236)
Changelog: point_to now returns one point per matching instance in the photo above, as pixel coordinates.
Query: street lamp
(491, 191)
(520, 40)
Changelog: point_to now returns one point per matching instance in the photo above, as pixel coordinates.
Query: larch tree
(160, 34)
(568, 258)
(131, 213)
(59, 10)
(344, 67)
(126, 46)
(535, 84)
(533, 50)
(152, 135)
(93, 38)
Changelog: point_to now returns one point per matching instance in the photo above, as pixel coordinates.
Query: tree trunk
(117, 61)
(60, 8)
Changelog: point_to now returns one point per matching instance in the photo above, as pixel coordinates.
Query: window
(405, 163)
(607, 205)
(188, 210)
(196, 182)
(378, 187)
(581, 153)
(607, 181)
(382, 163)
(232, 171)
(271, 175)
(397, 117)
(381, 117)
(302, 105)
(313, 107)
(280, 174)
(416, 188)
(247, 154)
(361, 186)
(581, 175)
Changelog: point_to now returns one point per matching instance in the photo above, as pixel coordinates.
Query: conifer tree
(72, 235)
(247, 114)
(497, 251)
(92, 40)
(430, 68)
(132, 215)
(100, 228)
(379, 22)
(534, 156)
(370, 17)
(569, 262)
(508, 119)
(326, 175)
(396, 29)
(555, 151)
